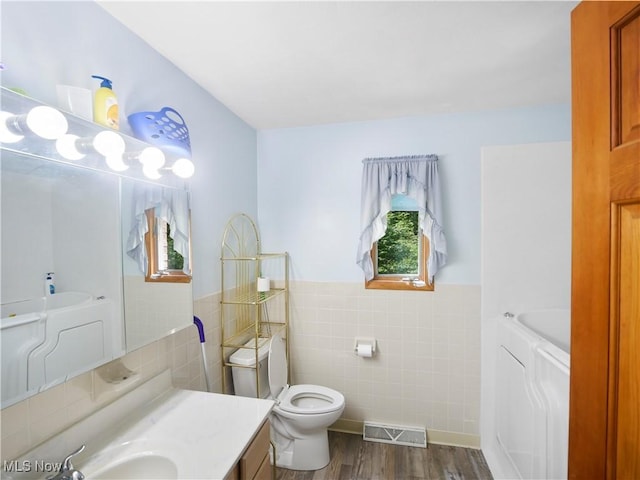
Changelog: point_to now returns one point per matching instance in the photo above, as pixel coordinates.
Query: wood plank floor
(353, 458)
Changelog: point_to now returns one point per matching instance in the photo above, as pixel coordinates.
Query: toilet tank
(244, 379)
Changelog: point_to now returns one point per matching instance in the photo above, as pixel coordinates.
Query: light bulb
(66, 146)
(151, 157)
(6, 135)
(109, 144)
(183, 168)
(47, 122)
(151, 173)
(115, 163)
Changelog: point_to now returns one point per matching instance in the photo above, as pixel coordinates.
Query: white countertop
(207, 432)
(204, 434)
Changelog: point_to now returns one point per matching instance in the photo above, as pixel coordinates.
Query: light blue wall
(308, 195)
(309, 182)
(49, 43)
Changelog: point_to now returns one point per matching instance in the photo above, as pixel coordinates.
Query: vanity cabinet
(254, 299)
(254, 464)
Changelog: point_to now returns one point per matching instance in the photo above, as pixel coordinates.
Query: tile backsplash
(426, 371)
(30, 422)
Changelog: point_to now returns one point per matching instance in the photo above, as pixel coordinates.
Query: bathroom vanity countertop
(204, 434)
(157, 431)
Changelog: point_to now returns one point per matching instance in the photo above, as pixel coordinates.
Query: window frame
(399, 282)
(151, 241)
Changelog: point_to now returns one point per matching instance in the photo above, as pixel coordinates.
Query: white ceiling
(285, 64)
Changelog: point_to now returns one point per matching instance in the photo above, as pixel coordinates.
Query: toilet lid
(277, 365)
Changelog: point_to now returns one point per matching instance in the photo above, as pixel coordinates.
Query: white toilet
(302, 413)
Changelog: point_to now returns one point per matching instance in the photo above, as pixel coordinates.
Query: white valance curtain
(413, 176)
(170, 205)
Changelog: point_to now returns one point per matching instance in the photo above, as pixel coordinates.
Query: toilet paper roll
(364, 350)
(264, 284)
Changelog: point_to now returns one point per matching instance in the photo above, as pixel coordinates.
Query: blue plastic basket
(165, 128)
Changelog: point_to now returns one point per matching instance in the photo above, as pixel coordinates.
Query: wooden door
(604, 422)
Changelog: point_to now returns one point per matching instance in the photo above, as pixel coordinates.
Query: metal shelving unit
(247, 315)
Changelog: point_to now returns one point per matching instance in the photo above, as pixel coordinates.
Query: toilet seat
(297, 399)
(310, 399)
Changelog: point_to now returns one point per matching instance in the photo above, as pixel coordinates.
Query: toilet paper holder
(365, 346)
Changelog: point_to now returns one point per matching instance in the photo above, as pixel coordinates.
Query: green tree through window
(399, 256)
(398, 250)
(175, 261)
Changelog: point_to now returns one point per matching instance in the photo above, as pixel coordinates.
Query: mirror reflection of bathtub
(532, 401)
(64, 219)
(46, 340)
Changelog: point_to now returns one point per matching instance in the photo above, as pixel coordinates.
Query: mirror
(63, 221)
(73, 224)
(157, 302)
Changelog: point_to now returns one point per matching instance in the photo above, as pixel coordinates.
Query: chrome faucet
(67, 472)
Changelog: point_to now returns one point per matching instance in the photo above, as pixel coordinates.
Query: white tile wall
(154, 306)
(427, 369)
(426, 372)
(30, 422)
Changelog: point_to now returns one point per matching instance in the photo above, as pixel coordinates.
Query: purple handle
(198, 323)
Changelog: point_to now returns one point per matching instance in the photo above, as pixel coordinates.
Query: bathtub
(22, 329)
(46, 340)
(532, 392)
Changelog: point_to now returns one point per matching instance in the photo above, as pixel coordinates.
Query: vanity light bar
(183, 168)
(49, 123)
(43, 121)
(66, 146)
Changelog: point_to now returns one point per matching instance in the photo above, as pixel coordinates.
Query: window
(389, 180)
(399, 257)
(164, 263)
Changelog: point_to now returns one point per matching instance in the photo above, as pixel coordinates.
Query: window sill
(178, 277)
(392, 284)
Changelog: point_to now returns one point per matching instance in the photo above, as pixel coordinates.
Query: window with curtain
(402, 243)
(159, 237)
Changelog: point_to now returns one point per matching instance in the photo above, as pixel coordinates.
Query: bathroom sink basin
(145, 466)
(156, 431)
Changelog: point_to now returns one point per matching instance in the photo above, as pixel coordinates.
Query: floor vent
(396, 435)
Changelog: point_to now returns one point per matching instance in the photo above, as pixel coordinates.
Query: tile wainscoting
(32, 421)
(426, 371)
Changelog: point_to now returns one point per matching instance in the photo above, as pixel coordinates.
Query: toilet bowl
(301, 415)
